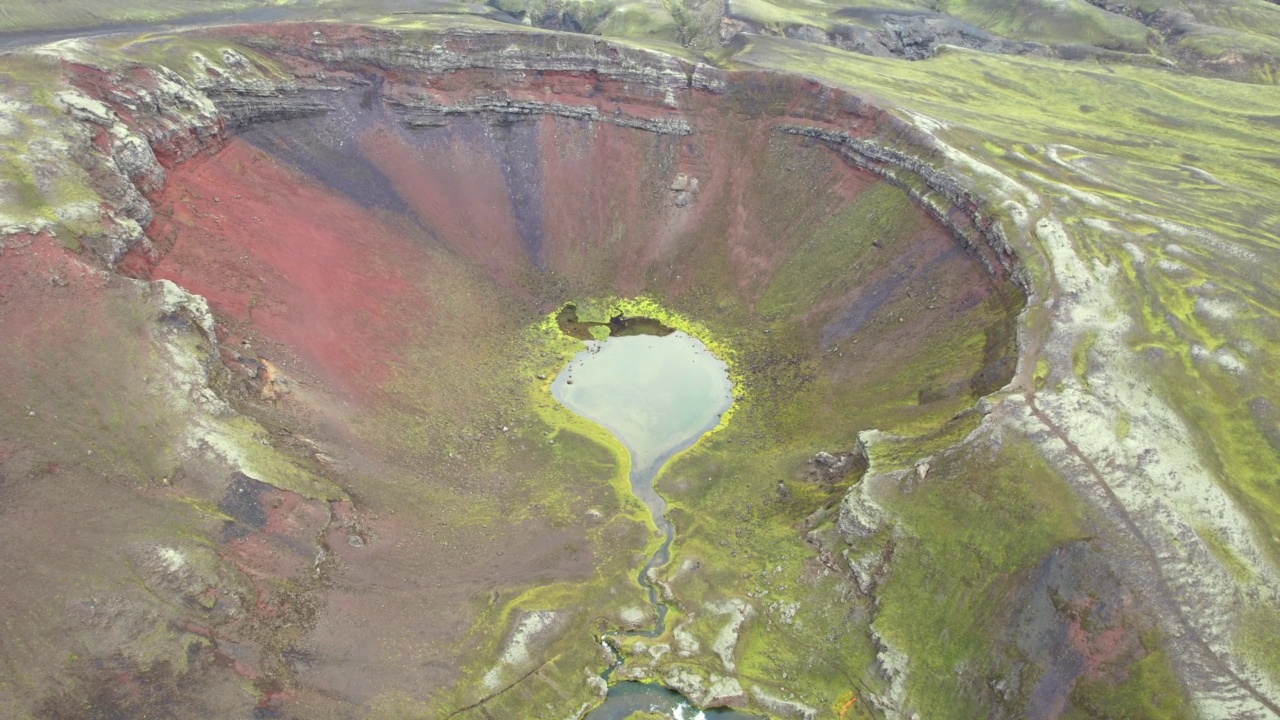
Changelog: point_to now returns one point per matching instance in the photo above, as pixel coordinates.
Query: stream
(657, 394)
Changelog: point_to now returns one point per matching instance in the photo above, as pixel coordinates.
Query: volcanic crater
(378, 220)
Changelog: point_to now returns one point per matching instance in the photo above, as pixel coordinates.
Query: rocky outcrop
(713, 690)
(176, 118)
(121, 166)
(132, 121)
(243, 108)
(438, 54)
(423, 112)
(783, 708)
(910, 35)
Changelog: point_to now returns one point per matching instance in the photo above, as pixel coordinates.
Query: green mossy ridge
(1069, 22)
(1236, 39)
(32, 16)
(1150, 690)
(982, 517)
(890, 453)
(642, 19)
(976, 93)
(1258, 638)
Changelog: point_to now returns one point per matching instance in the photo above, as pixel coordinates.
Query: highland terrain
(282, 296)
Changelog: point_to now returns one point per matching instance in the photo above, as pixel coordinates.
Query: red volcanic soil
(1099, 647)
(45, 275)
(283, 257)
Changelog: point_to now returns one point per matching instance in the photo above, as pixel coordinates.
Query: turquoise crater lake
(657, 395)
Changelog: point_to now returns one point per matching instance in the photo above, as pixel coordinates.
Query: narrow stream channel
(658, 394)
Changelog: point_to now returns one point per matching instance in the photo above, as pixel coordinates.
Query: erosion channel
(658, 391)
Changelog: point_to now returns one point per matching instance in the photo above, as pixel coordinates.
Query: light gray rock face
(725, 644)
(176, 118)
(714, 690)
(121, 166)
(860, 517)
(780, 707)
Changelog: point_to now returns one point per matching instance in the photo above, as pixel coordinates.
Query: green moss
(246, 444)
(1151, 689)
(25, 16)
(1225, 554)
(638, 20)
(1258, 638)
(1080, 358)
(1042, 372)
(900, 453)
(981, 519)
(1054, 23)
(883, 215)
(1123, 426)
(59, 197)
